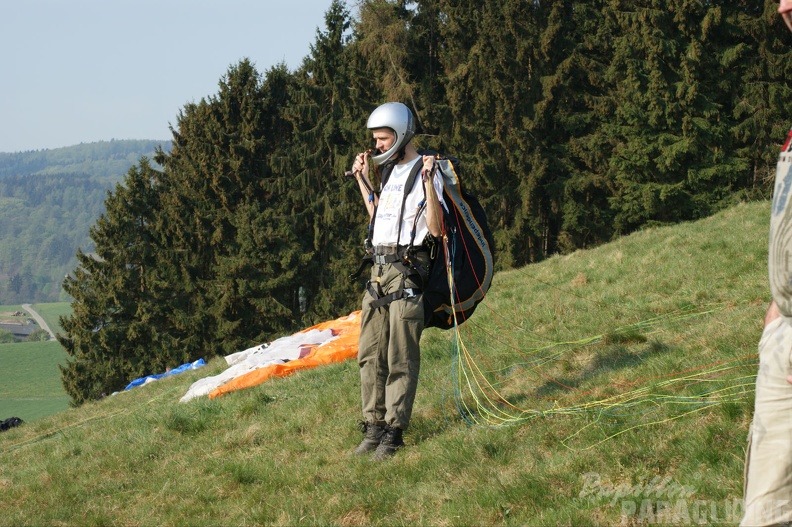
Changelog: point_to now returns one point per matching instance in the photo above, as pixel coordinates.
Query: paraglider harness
(452, 291)
(402, 257)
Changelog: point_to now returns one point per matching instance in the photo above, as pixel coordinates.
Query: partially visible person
(768, 462)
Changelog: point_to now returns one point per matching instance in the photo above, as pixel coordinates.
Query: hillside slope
(102, 159)
(278, 453)
(48, 201)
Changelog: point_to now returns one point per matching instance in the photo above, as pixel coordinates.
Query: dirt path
(40, 321)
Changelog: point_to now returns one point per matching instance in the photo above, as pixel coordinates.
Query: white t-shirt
(386, 230)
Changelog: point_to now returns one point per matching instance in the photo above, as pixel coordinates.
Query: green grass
(278, 453)
(51, 312)
(30, 386)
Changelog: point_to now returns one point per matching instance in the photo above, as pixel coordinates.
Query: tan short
(768, 462)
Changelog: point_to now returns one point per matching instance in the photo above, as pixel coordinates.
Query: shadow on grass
(426, 428)
(614, 358)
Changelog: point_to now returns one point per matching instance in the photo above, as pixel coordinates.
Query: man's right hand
(360, 166)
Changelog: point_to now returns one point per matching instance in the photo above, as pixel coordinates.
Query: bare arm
(772, 313)
(785, 10)
(360, 169)
(434, 213)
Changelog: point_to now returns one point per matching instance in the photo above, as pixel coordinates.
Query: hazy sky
(78, 71)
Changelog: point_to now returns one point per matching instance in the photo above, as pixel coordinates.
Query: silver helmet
(397, 117)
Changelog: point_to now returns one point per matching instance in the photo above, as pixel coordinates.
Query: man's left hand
(428, 164)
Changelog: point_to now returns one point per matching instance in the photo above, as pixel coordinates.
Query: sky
(80, 71)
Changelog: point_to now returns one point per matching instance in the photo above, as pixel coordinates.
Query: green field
(30, 386)
(51, 312)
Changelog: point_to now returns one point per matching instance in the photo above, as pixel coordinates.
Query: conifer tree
(564, 84)
(383, 39)
(492, 79)
(756, 58)
(399, 45)
(117, 313)
(222, 227)
(328, 107)
(575, 122)
(671, 158)
(574, 109)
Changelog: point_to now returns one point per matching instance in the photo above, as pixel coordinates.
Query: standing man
(768, 462)
(404, 219)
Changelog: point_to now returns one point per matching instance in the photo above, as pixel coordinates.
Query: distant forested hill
(48, 201)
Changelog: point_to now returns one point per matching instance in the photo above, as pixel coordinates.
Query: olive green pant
(389, 353)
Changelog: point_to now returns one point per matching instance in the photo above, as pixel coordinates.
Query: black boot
(373, 437)
(391, 442)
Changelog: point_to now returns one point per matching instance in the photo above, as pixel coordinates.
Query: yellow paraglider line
(480, 402)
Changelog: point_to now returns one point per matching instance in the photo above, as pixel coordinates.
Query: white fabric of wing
(281, 350)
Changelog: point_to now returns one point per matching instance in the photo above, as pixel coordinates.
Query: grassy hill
(30, 386)
(635, 317)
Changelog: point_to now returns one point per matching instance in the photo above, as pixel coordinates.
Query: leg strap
(403, 292)
(407, 265)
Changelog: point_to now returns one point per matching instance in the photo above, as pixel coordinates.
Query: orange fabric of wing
(343, 347)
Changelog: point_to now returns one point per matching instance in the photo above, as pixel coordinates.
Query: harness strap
(369, 258)
(408, 292)
(386, 172)
(364, 262)
(402, 260)
(380, 259)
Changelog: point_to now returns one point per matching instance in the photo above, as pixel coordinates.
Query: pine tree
(756, 55)
(117, 312)
(566, 82)
(493, 79)
(224, 228)
(579, 106)
(328, 109)
(671, 158)
(383, 39)
(575, 122)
